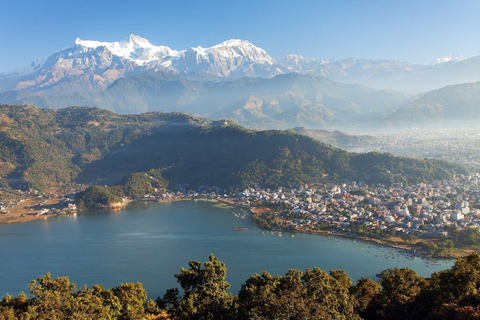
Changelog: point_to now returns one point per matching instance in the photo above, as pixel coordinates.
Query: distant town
(461, 146)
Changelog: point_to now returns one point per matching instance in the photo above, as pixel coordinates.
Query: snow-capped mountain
(93, 65)
(133, 48)
(232, 58)
(293, 62)
(450, 57)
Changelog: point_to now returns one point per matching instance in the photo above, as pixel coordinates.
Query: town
(372, 212)
(459, 146)
(376, 212)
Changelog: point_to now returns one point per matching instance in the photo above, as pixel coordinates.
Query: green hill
(47, 149)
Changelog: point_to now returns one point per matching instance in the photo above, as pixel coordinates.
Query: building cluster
(422, 210)
(460, 146)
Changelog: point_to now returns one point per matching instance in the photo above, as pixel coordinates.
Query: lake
(150, 242)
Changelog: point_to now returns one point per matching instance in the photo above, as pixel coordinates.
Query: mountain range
(284, 101)
(234, 79)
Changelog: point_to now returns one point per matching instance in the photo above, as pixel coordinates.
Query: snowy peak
(134, 40)
(242, 48)
(232, 58)
(234, 52)
(233, 43)
(133, 48)
(129, 42)
(293, 61)
(451, 57)
(94, 65)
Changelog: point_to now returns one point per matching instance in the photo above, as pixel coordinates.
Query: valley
(327, 151)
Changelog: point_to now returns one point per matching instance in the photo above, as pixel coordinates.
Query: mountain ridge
(48, 149)
(91, 65)
(281, 102)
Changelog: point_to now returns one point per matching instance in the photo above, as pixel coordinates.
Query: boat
(240, 229)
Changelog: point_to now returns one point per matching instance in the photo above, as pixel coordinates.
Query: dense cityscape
(460, 146)
(424, 211)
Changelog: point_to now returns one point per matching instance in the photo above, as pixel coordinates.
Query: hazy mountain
(396, 75)
(336, 138)
(456, 105)
(283, 101)
(437, 76)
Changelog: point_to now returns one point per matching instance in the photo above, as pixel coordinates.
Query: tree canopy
(313, 294)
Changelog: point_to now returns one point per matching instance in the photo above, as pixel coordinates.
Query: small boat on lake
(240, 229)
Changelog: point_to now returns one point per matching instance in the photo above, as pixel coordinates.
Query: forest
(311, 294)
(52, 150)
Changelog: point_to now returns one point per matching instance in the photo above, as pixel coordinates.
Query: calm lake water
(150, 242)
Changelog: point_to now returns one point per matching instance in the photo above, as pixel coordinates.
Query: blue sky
(415, 31)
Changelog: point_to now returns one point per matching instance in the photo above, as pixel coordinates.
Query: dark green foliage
(205, 293)
(45, 149)
(297, 295)
(60, 299)
(97, 196)
(136, 185)
(132, 186)
(313, 294)
(400, 288)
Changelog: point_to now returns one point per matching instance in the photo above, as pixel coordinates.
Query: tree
(333, 296)
(400, 289)
(51, 298)
(132, 298)
(454, 293)
(255, 299)
(297, 295)
(363, 292)
(342, 277)
(205, 291)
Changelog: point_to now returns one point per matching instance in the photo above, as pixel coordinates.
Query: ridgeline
(47, 149)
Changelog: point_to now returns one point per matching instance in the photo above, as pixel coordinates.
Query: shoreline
(24, 215)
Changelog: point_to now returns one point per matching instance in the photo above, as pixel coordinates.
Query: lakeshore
(24, 212)
(99, 247)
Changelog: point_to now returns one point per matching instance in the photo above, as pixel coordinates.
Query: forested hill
(43, 149)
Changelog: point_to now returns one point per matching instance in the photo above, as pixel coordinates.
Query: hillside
(450, 106)
(48, 149)
(336, 138)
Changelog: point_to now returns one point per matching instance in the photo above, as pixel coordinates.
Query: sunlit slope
(43, 148)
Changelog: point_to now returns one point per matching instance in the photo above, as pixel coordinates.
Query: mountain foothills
(456, 104)
(234, 80)
(134, 154)
(285, 101)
